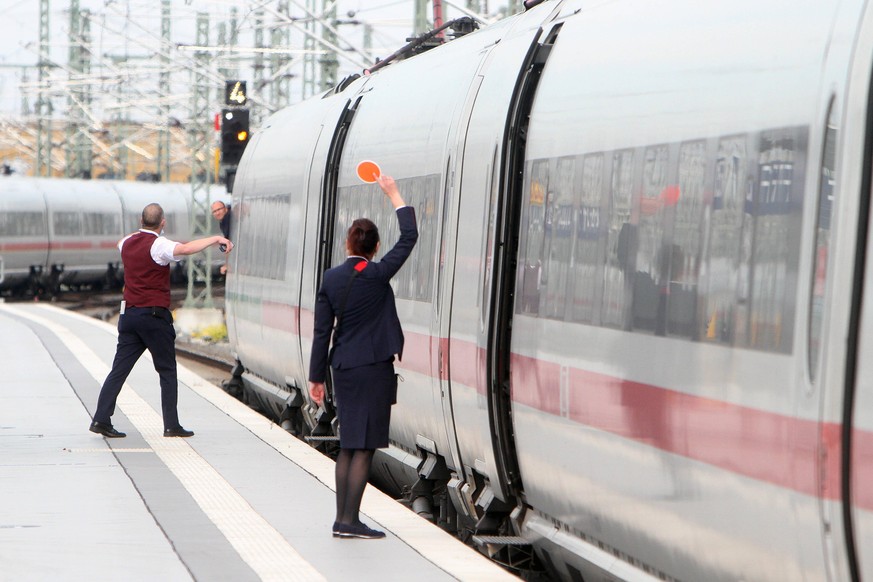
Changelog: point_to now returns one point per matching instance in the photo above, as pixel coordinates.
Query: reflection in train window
(649, 278)
(685, 252)
(621, 243)
(697, 240)
(532, 238)
(775, 209)
(262, 252)
(822, 244)
(415, 279)
(588, 252)
(557, 241)
(721, 309)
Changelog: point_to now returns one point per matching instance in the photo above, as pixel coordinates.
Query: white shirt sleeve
(162, 251)
(122, 241)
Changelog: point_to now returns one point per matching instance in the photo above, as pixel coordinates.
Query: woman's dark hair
(363, 237)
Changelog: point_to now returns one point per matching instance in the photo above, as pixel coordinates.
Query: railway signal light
(235, 135)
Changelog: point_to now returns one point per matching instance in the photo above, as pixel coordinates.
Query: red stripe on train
(766, 446)
(57, 246)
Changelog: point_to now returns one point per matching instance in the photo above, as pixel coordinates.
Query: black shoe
(339, 529)
(178, 432)
(361, 531)
(106, 430)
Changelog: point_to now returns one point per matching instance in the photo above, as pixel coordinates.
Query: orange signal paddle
(368, 171)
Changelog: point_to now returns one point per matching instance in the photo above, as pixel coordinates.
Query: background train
(57, 232)
(637, 312)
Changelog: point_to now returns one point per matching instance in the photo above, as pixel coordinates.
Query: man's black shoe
(106, 430)
(178, 432)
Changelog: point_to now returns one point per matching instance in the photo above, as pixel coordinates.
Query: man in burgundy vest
(146, 322)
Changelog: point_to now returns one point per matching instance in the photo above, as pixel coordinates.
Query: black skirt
(363, 397)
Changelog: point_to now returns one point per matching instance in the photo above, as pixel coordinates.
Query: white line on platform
(257, 542)
(439, 547)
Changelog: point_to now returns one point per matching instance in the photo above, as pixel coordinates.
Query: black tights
(352, 470)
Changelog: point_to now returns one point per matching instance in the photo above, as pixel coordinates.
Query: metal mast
(420, 24)
(329, 61)
(78, 147)
(43, 100)
(280, 81)
(309, 55)
(199, 140)
(258, 67)
(162, 158)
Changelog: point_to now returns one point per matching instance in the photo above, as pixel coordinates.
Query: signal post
(234, 127)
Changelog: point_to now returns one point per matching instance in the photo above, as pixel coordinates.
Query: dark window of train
(687, 202)
(263, 252)
(21, 224)
(101, 223)
(822, 244)
(557, 240)
(621, 242)
(650, 276)
(67, 223)
(775, 208)
(586, 267)
(724, 298)
(415, 279)
(532, 238)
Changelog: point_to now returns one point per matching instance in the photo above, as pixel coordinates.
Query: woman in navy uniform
(367, 336)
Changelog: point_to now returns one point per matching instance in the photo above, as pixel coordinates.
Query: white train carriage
(84, 218)
(57, 232)
(25, 240)
(636, 316)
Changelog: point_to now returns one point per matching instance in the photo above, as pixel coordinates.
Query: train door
(479, 401)
(849, 472)
(855, 438)
(841, 312)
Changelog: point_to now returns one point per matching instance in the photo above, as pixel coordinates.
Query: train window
(684, 263)
(532, 241)
(621, 242)
(558, 240)
(67, 224)
(589, 246)
(415, 279)
(101, 223)
(649, 278)
(721, 309)
(263, 251)
(13, 223)
(822, 243)
(775, 209)
(21, 224)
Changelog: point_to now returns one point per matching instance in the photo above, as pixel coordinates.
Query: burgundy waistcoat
(146, 283)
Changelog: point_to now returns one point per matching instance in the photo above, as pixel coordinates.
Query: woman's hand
(390, 188)
(316, 392)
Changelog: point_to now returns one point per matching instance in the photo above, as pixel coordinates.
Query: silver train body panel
(664, 375)
(71, 227)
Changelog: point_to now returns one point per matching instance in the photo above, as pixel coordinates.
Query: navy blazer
(370, 331)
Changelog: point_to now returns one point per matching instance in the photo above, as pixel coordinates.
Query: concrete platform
(241, 500)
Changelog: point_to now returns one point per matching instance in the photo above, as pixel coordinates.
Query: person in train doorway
(358, 296)
(145, 322)
(222, 213)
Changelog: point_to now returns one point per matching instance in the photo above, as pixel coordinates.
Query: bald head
(152, 216)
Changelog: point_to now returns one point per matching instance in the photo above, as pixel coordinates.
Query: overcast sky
(130, 27)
